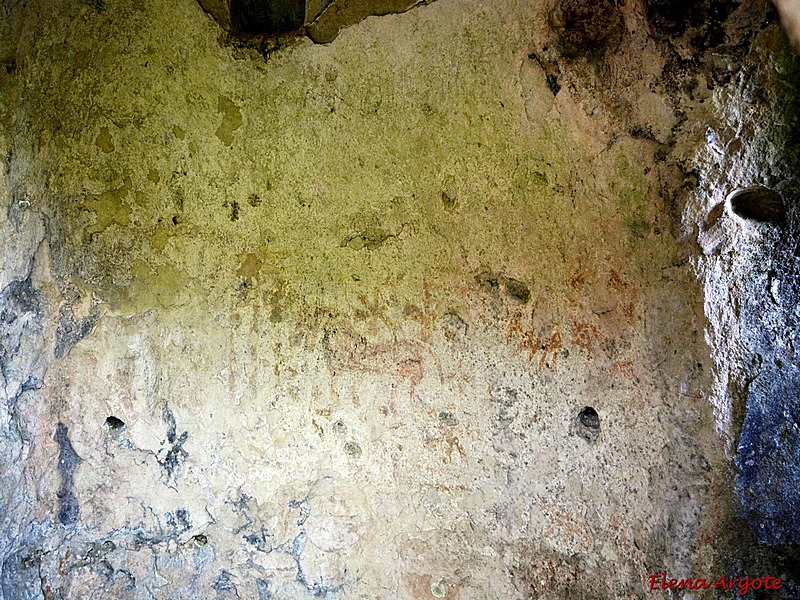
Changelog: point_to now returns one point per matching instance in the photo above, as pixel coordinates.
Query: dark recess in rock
(353, 449)
(19, 575)
(262, 587)
(180, 521)
(552, 83)
(448, 201)
(517, 290)
(587, 28)
(114, 423)
(18, 299)
(759, 204)
(448, 418)
(782, 561)
(98, 5)
(589, 418)
(68, 461)
(705, 19)
(487, 280)
(340, 13)
(768, 478)
(266, 17)
(668, 17)
(513, 288)
(454, 327)
(588, 422)
(259, 23)
(20, 308)
(714, 214)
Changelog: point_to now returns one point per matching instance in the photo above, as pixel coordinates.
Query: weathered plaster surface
(345, 305)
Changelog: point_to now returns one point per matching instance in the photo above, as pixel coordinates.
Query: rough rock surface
(412, 314)
(745, 215)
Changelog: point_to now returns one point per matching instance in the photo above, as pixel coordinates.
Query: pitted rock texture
(411, 314)
(749, 267)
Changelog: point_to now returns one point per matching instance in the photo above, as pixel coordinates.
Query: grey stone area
(487, 300)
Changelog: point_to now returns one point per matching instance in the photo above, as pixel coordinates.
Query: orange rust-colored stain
(585, 335)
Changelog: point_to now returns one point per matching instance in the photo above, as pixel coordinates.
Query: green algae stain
(633, 198)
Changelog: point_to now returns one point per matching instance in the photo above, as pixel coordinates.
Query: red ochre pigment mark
(742, 585)
(585, 335)
(615, 281)
(567, 526)
(624, 368)
(449, 444)
(401, 360)
(630, 311)
(534, 344)
(61, 562)
(578, 280)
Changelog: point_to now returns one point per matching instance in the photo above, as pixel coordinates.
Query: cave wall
(744, 214)
(410, 314)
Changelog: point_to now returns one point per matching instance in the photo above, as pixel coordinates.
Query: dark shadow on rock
(68, 461)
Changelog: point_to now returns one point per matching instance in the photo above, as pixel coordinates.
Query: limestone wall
(325, 321)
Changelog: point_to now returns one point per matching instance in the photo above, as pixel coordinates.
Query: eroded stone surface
(749, 270)
(328, 321)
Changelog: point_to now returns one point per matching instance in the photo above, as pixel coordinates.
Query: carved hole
(589, 418)
(759, 204)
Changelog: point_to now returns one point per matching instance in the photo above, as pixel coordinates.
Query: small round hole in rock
(114, 423)
(587, 424)
(589, 418)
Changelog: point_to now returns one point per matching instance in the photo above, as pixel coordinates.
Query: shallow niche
(757, 204)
